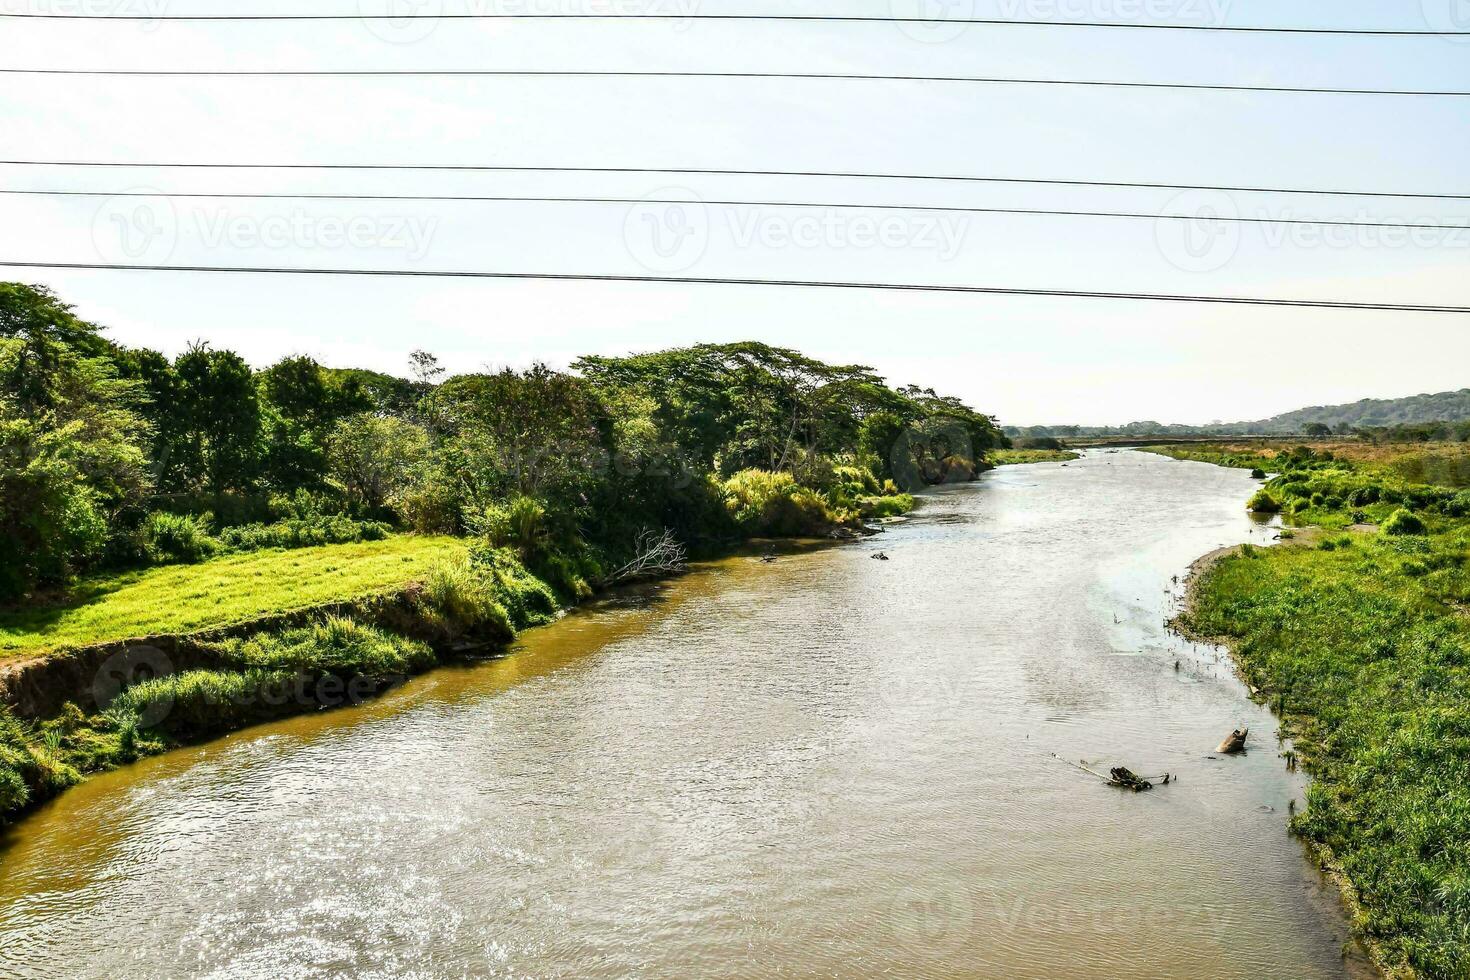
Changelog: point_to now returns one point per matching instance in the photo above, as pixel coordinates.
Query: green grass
(328, 661)
(223, 592)
(1366, 651)
(1362, 640)
(1014, 457)
(1220, 455)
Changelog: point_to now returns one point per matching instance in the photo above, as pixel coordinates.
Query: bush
(525, 598)
(178, 538)
(457, 598)
(521, 524)
(857, 480)
(1403, 522)
(771, 504)
(204, 702)
(1458, 505)
(1263, 503)
(880, 507)
(335, 646)
(303, 532)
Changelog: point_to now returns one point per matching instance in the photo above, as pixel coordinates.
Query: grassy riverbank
(328, 661)
(1361, 639)
(1016, 457)
(222, 592)
(403, 605)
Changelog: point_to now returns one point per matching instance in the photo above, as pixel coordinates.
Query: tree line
(115, 456)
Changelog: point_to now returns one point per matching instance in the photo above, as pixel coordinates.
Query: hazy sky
(1028, 360)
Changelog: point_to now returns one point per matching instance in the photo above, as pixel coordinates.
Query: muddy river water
(827, 765)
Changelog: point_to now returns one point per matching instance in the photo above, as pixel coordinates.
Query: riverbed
(826, 765)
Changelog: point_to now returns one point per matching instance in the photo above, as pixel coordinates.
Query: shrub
(771, 504)
(880, 507)
(525, 598)
(457, 597)
(1403, 522)
(204, 702)
(858, 480)
(183, 538)
(303, 532)
(1263, 503)
(1458, 505)
(520, 523)
(336, 646)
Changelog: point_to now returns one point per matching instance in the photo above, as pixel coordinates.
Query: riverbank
(1017, 457)
(783, 758)
(89, 707)
(1360, 643)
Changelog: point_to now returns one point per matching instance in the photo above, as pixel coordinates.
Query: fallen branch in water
(1121, 776)
(657, 554)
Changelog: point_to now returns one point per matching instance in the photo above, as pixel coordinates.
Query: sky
(1027, 360)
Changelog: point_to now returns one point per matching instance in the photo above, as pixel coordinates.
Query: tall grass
(1368, 651)
(765, 504)
(308, 532)
(334, 645)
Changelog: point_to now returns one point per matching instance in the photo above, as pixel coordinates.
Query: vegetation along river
(825, 765)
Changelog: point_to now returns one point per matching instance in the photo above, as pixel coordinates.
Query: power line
(725, 281)
(517, 199)
(687, 171)
(813, 18)
(746, 75)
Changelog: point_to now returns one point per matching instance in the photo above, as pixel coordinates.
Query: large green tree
(72, 445)
(219, 446)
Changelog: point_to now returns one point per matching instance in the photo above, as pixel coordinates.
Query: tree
(220, 409)
(47, 333)
(1316, 430)
(371, 458)
(71, 442)
(538, 433)
(301, 403)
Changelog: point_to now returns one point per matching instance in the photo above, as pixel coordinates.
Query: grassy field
(235, 589)
(1245, 457)
(1444, 464)
(1362, 641)
(1012, 457)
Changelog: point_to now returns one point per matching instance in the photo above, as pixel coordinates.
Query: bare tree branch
(657, 553)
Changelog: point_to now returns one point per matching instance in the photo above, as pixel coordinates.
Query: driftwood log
(1234, 742)
(1129, 780)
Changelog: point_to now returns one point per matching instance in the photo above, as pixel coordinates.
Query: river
(828, 765)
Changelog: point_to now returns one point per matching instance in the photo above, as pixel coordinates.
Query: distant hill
(1444, 406)
(1369, 413)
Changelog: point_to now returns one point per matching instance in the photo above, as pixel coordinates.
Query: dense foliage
(118, 457)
